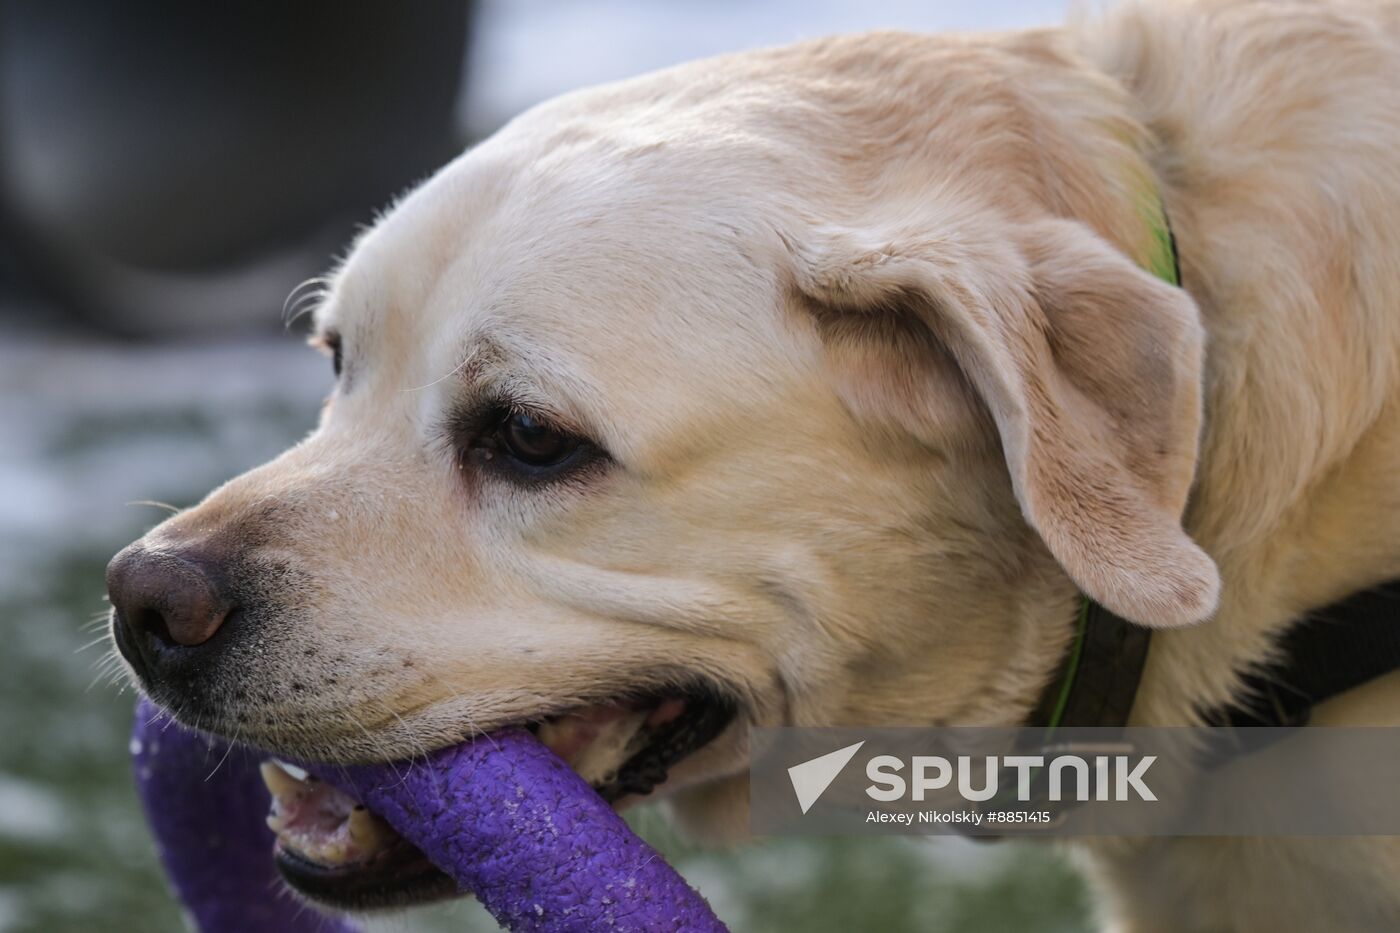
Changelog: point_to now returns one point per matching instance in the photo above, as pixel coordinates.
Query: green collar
(1162, 260)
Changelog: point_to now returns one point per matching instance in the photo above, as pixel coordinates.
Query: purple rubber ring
(503, 815)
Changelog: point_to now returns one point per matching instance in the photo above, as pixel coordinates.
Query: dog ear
(1089, 366)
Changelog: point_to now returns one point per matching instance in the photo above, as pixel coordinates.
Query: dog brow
(477, 359)
(482, 354)
(489, 371)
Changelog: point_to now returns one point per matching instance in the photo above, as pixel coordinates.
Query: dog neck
(1294, 496)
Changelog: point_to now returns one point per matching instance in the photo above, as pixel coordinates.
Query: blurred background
(169, 173)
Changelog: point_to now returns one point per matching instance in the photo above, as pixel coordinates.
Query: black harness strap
(1325, 654)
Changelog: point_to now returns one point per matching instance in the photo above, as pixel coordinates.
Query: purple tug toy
(503, 816)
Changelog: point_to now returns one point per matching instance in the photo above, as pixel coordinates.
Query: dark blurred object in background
(170, 167)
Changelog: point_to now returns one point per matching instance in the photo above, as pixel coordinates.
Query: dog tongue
(502, 815)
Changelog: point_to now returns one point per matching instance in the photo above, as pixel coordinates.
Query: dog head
(748, 393)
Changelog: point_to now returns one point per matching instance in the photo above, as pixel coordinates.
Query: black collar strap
(1098, 678)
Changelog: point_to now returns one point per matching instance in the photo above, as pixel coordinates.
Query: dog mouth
(333, 850)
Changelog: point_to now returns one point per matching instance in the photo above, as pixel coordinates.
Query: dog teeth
(279, 782)
(318, 822)
(298, 773)
(368, 831)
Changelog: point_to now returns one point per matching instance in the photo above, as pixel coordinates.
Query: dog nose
(163, 600)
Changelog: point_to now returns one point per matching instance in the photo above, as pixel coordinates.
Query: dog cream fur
(862, 323)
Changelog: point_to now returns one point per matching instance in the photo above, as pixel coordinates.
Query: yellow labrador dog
(814, 386)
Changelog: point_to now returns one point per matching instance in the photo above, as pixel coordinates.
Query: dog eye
(522, 447)
(337, 358)
(534, 443)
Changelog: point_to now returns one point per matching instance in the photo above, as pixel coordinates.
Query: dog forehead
(625, 280)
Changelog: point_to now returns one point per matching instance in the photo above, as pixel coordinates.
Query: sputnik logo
(811, 778)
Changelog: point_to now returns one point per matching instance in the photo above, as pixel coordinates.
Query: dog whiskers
(304, 298)
(238, 730)
(173, 510)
